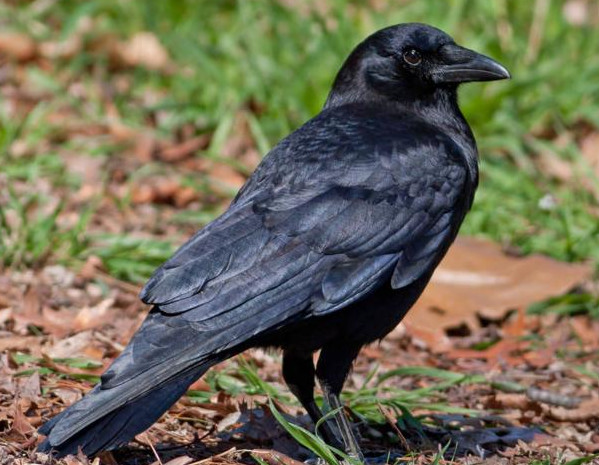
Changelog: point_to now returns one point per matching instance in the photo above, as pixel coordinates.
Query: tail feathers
(68, 432)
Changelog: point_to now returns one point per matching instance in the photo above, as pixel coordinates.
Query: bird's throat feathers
(438, 106)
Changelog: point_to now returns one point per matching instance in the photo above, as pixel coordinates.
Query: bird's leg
(298, 372)
(352, 448)
(333, 367)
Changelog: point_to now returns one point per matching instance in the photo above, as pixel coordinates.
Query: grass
(366, 401)
(234, 53)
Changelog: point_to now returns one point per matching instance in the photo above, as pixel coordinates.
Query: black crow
(326, 247)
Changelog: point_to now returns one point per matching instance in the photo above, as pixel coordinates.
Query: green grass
(366, 401)
(46, 365)
(283, 60)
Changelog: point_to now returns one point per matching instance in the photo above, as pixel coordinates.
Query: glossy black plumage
(327, 246)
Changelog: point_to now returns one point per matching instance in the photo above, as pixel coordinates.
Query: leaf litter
(79, 330)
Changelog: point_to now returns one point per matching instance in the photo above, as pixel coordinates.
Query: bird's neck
(439, 107)
(442, 110)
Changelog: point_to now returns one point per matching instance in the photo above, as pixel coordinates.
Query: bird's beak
(460, 64)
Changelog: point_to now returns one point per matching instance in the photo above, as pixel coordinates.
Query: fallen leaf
(476, 279)
(163, 191)
(512, 401)
(91, 266)
(587, 330)
(94, 316)
(200, 385)
(29, 388)
(225, 178)
(273, 457)
(228, 421)
(587, 410)
(145, 50)
(145, 146)
(502, 351)
(183, 150)
(70, 347)
(70, 45)
(554, 166)
(21, 423)
(67, 395)
(17, 46)
(19, 343)
(65, 50)
(433, 339)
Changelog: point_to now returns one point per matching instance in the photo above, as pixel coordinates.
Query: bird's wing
(326, 217)
(390, 212)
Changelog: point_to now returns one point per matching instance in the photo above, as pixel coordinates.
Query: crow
(326, 247)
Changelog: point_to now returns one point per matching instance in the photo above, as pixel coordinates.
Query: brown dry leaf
(587, 410)
(273, 457)
(70, 45)
(32, 303)
(512, 401)
(500, 352)
(89, 169)
(163, 191)
(67, 395)
(91, 266)
(200, 385)
(17, 46)
(183, 150)
(21, 423)
(477, 279)
(92, 317)
(29, 388)
(145, 50)
(540, 358)
(71, 347)
(225, 178)
(556, 167)
(117, 128)
(437, 341)
(19, 343)
(66, 49)
(587, 330)
(145, 146)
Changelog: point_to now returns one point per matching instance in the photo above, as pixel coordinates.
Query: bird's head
(409, 62)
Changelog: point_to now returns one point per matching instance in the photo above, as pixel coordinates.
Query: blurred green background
(234, 77)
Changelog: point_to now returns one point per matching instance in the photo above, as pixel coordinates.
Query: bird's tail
(114, 426)
(162, 359)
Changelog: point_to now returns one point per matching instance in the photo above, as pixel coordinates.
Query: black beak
(460, 64)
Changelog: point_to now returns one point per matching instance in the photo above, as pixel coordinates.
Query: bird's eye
(412, 57)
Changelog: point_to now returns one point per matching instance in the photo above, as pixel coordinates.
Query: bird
(323, 250)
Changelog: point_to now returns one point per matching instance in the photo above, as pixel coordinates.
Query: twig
(105, 339)
(552, 398)
(145, 437)
(391, 422)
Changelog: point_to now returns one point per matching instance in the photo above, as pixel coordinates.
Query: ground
(125, 126)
